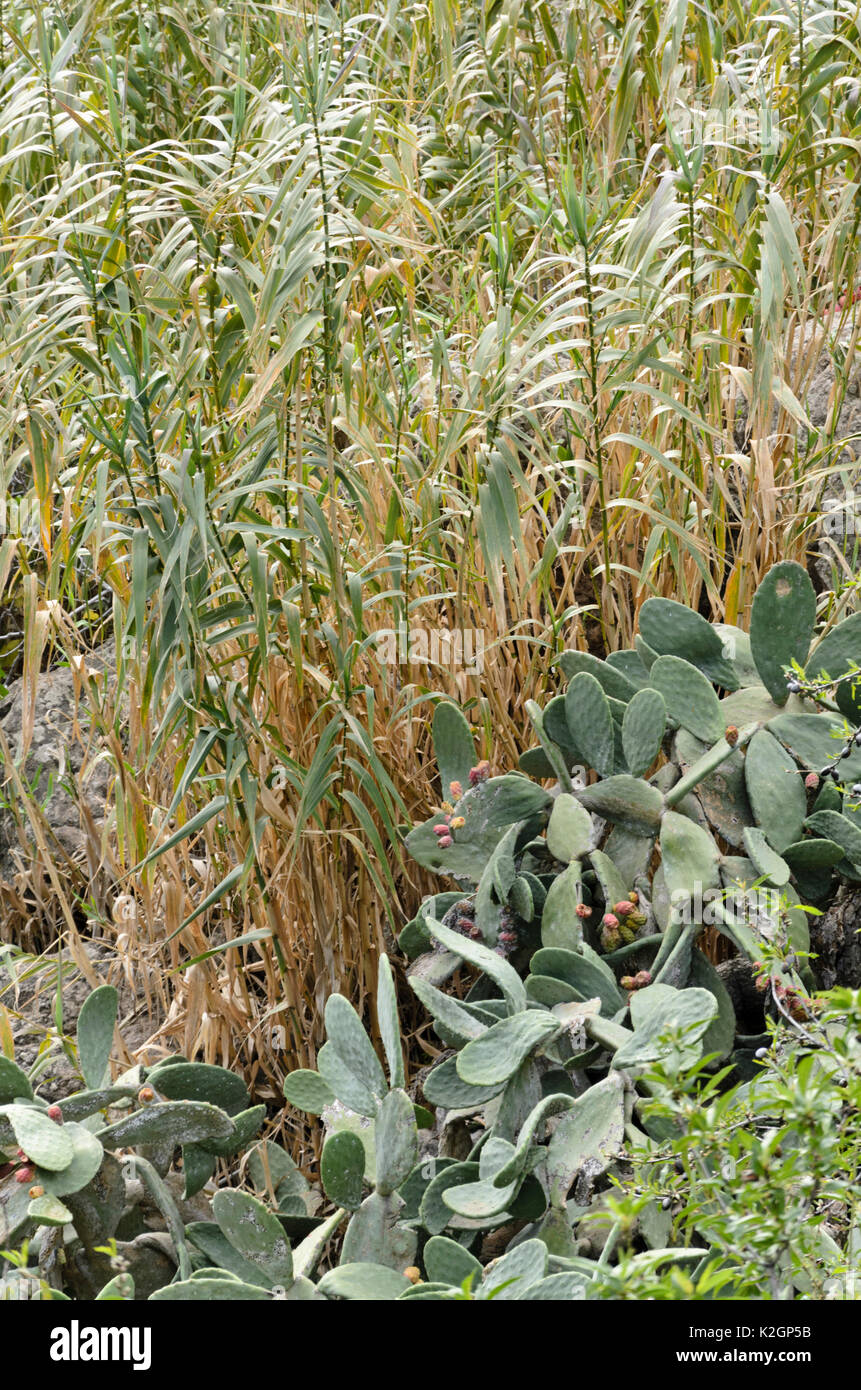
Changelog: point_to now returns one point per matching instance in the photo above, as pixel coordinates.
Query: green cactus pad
(120, 1289)
(255, 1233)
(630, 665)
(556, 727)
(364, 1283)
(835, 655)
(671, 629)
(198, 1167)
(643, 729)
(584, 971)
(736, 650)
(342, 1169)
(767, 864)
(516, 1165)
(434, 1214)
(535, 763)
(812, 856)
(775, 790)
(545, 989)
(447, 1262)
(396, 1141)
(565, 1287)
(590, 722)
(627, 801)
(517, 1270)
(97, 1208)
(211, 1291)
(833, 825)
(721, 792)
(387, 1018)
(85, 1103)
(560, 925)
(487, 810)
(377, 1233)
(200, 1081)
(612, 680)
(689, 856)
(347, 1087)
(346, 1034)
(612, 884)
(815, 740)
(645, 654)
(498, 970)
(660, 1008)
(454, 746)
(521, 900)
(465, 859)
(168, 1122)
(13, 1082)
(485, 1198)
(44, 1141)
(590, 1133)
(308, 1091)
(569, 830)
(497, 1055)
(86, 1160)
(505, 800)
(782, 619)
(689, 697)
(631, 854)
(444, 1087)
(750, 705)
(49, 1211)
(459, 1024)
(245, 1126)
(95, 1032)
(14, 1202)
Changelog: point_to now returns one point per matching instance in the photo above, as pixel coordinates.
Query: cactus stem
(708, 763)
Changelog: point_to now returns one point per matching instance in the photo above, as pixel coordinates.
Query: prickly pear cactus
(703, 779)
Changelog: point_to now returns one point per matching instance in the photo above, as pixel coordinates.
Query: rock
(149, 1259)
(835, 938)
(31, 1005)
(58, 754)
(739, 978)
